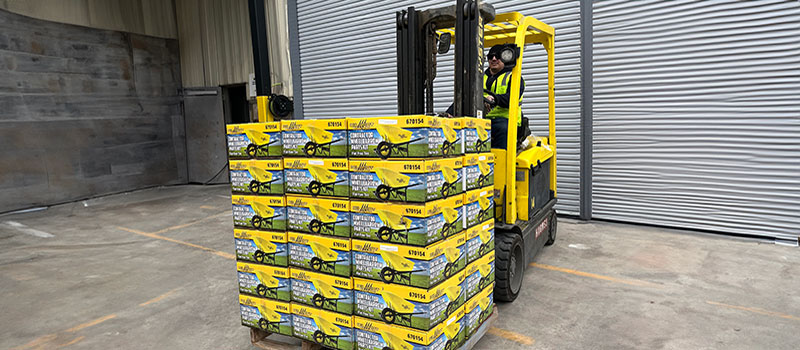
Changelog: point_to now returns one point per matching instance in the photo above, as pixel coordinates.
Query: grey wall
(85, 112)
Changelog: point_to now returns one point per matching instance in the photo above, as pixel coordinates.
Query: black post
(258, 34)
(468, 99)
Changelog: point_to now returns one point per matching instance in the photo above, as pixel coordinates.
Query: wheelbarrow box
(324, 216)
(314, 137)
(378, 335)
(416, 181)
(258, 177)
(332, 293)
(478, 170)
(478, 206)
(477, 243)
(329, 329)
(254, 140)
(269, 315)
(479, 274)
(264, 281)
(408, 136)
(268, 248)
(317, 177)
(259, 212)
(417, 224)
(459, 146)
(474, 131)
(322, 254)
(422, 267)
(478, 309)
(419, 308)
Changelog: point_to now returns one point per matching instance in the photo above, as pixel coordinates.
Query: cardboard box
(264, 281)
(314, 138)
(417, 224)
(320, 253)
(406, 180)
(453, 132)
(329, 329)
(477, 135)
(479, 206)
(257, 177)
(317, 177)
(323, 291)
(478, 170)
(410, 136)
(259, 212)
(269, 315)
(324, 216)
(269, 248)
(422, 267)
(480, 240)
(376, 335)
(479, 274)
(254, 140)
(406, 306)
(478, 309)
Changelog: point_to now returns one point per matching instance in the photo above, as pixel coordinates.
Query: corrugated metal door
(348, 68)
(697, 115)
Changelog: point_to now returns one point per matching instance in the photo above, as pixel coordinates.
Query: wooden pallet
(488, 323)
(259, 340)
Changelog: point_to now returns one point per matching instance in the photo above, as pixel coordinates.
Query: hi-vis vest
(500, 86)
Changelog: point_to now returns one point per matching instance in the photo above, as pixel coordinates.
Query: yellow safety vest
(499, 87)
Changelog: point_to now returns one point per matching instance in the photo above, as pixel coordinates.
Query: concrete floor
(152, 269)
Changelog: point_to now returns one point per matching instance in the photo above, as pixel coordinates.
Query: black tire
(263, 324)
(254, 186)
(259, 256)
(553, 229)
(383, 192)
(446, 148)
(318, 300)
(315, 187)
(388, 315)
(261, 290)
(384, 149)
(251, 150)
(315, 263)
(310, 149)
(319, 337)
(509, 265)
(384, 234)
(387, 274)
(256, 221)
(315, 226)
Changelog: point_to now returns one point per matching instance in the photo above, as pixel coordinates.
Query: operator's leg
(499, 132)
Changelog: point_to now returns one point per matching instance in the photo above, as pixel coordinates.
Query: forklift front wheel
(510, 264)
(553, 229)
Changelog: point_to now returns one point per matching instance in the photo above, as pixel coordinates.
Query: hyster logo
(297, 203)
(244, 235)
(249, 302)
(241, 201)
(412, 167)
(362, 168)
(246, 268)
(300, 240)
(437, 252)
(542, 227)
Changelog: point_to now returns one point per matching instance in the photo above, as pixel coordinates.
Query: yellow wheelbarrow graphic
(398, 309)
(328, 333)
(450, 140)
(453, 255)
(395, 140)
(324, 220)
(398, 268)
(451, 217)
(483, 138)
(453, 293)
(270, 320)
(262, 180)
(324, 180)
(325, 259)
(320, 141)
(267, 255)
(268, 288)
(451, 331)
(394, 342)
(327, 296)
(259, 141)
(396, 227)
(484, 305)
(451, 178)
(264, 215)
(484, 270)
(486, 207)
(486, 171)
(393, 185)
(486, 239)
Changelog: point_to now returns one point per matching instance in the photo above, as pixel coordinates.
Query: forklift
(525, 187)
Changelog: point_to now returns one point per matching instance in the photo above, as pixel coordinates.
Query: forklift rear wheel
(553, 229)
(510, 264)
(256, 220)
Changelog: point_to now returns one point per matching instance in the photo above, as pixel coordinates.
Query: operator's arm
(502, 100)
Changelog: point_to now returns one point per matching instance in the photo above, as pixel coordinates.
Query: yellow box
(264, 281)
(269, 315)
(406, 180)
(478, 205)
(422, 267)
(479, 274)
(477, 135)
(409, 136)
(269, 248)
(327, 328)
(320, 253)
(324, 216)
(314, 138)
(417, 224)
(259, 212)
(257, 177)
(332, 293)
(376, 335)
(323, 177)
(478, 308)
(480, 240)
(478, 170)
(254, 140)
(454, 138)
(413, 307)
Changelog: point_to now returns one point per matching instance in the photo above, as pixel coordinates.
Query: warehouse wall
(85, 112)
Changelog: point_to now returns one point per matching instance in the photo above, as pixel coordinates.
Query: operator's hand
(490, 98)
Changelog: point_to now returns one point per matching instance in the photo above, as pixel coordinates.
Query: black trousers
(500, 132)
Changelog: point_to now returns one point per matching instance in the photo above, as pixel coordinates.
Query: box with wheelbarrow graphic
(406, 180)
(329, 329)
(269, 315)
(320, 253)
(479, 205)
(417, 224)
(257, 177)
(478, 309)
(479, 274)
(268, 248)
(254, 140)
(314, 138)
(422, 267)
(418, 308)
(317, 177)
(332, 293)
(480, 240)
(376, 335)
(259, 212)
(477, 135)
(410, 136)
(264, 281)
(323, 216)
(478, 170)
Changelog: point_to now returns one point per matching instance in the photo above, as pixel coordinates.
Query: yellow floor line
(153, 235)
(176, 227)
(513, 336)
(637, 283)
(91, 323)
(159, 298)
(756, 310)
